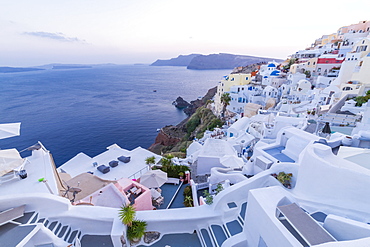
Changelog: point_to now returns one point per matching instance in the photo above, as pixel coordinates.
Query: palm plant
(225, 100)
(127, 214)
(150, 160)
(167, 160)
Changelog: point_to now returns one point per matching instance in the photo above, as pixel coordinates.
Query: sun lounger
(103, 169)
(124, 159)
(11, 214)
(173, 181)
(113, 163)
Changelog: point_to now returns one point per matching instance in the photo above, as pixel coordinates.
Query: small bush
(187, 191)
(193, 123)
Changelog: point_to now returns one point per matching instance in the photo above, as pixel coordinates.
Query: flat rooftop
(82, 163)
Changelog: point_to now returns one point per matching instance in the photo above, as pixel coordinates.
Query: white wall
(327, 179)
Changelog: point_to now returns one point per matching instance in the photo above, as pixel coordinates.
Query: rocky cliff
(195, 104)
(177, 138)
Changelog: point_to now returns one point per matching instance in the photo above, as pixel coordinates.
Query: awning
(9, 130)
(9, 160)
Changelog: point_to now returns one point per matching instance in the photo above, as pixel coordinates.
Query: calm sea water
(86, 110)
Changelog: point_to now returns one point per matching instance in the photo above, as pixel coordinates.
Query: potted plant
(284, 178)
(136, 231)
(135, 228)
(127, 214)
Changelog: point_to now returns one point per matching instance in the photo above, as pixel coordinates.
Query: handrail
(133, 176)
(173, 198)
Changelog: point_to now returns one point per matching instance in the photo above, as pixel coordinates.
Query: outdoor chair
(103, 169)
(124, 159)
(113, 163)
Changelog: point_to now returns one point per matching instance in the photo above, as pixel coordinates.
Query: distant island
(212, 61)
(72, 67)
(182, 60)
(16, 70)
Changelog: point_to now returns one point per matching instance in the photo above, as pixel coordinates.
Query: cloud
(55, 36)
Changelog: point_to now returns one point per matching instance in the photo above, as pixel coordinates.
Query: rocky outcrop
(176, 138)
(150, 237)
(168, 136)
(180, 103)
(195, 104)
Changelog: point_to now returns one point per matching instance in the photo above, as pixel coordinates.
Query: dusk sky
(140, 31)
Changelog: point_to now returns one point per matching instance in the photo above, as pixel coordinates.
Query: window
(308, 63)
(319, 70)
(314, 63)
(246, 78)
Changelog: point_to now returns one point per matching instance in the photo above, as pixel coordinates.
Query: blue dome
(271, 65)
(265, 76)
(275, 73)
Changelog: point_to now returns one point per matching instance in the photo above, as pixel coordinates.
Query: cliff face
(195, 104)
(177, 138)
(167, 136)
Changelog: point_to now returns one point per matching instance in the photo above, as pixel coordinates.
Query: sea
(88, 109)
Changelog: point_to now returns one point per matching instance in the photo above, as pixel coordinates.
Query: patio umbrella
(326, 128)
(153, 178)
(9, 130)
(231, 161)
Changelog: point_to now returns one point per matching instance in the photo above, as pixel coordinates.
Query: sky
(39, 32)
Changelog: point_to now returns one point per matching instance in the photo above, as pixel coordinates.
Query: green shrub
(187, 191)
(173, 171)
(193, 123)
(216, 122)
(136, 230)
(188, 201)
(208, 197)
(362, 99)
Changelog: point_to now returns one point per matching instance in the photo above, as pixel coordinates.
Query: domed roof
(275, 73)
(271, 65)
